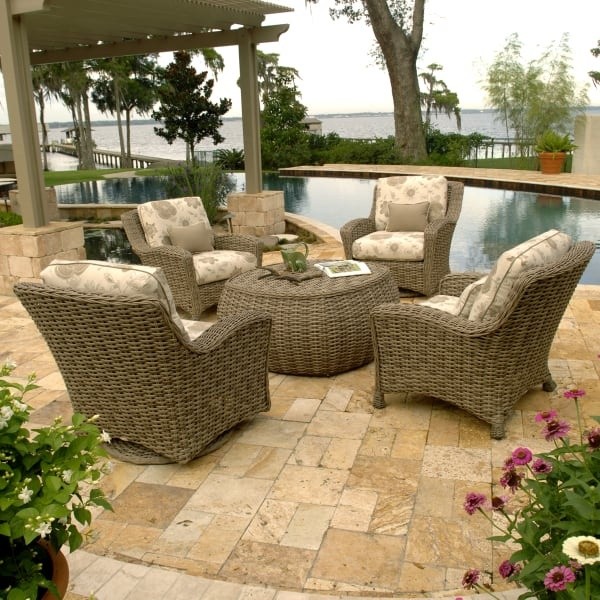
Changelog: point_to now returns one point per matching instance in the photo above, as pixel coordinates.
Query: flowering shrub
(42, 482)
(556, 522)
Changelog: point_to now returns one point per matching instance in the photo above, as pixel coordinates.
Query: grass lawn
(59, 177)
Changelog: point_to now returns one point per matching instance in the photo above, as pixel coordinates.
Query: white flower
(25, 495)
(105, 437)
(66, 475)
(3, 423)
(44, 528)
(6, 412)
(20, 406)
(584, 549)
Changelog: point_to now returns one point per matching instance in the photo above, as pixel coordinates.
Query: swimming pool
(490, 222)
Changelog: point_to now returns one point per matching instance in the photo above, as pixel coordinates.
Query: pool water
(491, 220)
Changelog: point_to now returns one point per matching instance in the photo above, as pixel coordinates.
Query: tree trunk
(128, 160)
(400, 51)
(44, 130)
(87, 149)
(117, 93)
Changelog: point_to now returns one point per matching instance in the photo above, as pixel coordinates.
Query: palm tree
(125, 84)
(438, 98)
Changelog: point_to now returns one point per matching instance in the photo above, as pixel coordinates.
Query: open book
(343, 268)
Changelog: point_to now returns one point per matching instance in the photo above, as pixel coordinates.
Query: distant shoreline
(108, 122)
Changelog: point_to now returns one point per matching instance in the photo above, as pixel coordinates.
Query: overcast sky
(339, 76)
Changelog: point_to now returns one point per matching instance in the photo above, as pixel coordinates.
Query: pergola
(46, 31)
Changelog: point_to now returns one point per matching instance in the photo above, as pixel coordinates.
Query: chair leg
(497, 431)
(549, 385)
(378, 400)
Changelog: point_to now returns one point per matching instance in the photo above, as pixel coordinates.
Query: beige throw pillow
(407, 217)
(194, 238)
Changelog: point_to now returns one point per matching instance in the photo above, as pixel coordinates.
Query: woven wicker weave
(420, 276)
(320, 326)
(178, 266)
(157, 395)
(482, 367)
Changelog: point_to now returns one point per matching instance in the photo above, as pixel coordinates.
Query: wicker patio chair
(485, 366)
(191, 294)
(420, 275)
(161, 397)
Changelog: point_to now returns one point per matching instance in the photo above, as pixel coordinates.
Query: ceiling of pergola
(57, 26)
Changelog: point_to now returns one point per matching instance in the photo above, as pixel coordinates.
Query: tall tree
(271, 74)
(284, 141)
(124, 85)
(46, 86)
(536, 96)
(437, 98)
(185, 107)
(398, 29)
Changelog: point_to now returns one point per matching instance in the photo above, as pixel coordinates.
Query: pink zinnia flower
(509, 463)
(511, 479)
(555, 430)
(521, 456)
(545, 415)
(541, 466)
(557, 578)
(506, 568)
(593, 438)
(470, 578)
(574, 393)
(499, 502)
(473, 501)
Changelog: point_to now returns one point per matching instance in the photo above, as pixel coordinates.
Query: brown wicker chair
(483, 367)
(161, 398)
(178, 266)
(420, 276)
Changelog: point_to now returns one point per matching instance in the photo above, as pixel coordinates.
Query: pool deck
(563, 184)
(321, 498)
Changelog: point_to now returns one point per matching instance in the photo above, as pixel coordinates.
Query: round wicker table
(320, 325)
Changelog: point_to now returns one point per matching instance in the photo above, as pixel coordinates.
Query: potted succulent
(47, 486)
(552, 148)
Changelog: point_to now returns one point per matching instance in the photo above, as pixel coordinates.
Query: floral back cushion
(411, 189)
(496, 291)
(158, 215)
(113, 279)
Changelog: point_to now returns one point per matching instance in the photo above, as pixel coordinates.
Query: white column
(16, 68)
(250, 114)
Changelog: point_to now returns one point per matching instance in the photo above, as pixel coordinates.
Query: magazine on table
(343, 268)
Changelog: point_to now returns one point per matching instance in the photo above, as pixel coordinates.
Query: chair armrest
(353, 230)
(454, 283)
(242, 243)
(254, 326)
(393, 321)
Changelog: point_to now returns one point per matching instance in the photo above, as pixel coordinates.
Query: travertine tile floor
(321, 497)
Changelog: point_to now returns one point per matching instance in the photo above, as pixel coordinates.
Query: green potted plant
(553, 522)
(552, 148)
(47, 486)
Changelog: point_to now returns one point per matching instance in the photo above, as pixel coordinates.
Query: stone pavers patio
(321, 497)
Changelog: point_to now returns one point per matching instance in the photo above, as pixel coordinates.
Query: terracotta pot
(552, 163)
(60, 571)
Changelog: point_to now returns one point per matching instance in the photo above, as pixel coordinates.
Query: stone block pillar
(586, 158)
(258, 214)
(26, 251)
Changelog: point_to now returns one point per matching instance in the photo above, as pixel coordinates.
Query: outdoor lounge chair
(162, 392)
(481, 349)
(409, 229)
(198, 264)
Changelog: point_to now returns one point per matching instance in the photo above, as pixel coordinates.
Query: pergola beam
(212, 39)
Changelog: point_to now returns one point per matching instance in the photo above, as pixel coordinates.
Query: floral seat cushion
(456, 305)
(390, 245)
(113, 279)
(221, 264)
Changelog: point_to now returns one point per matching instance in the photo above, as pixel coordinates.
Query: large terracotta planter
(60, 571)
(552, 163)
